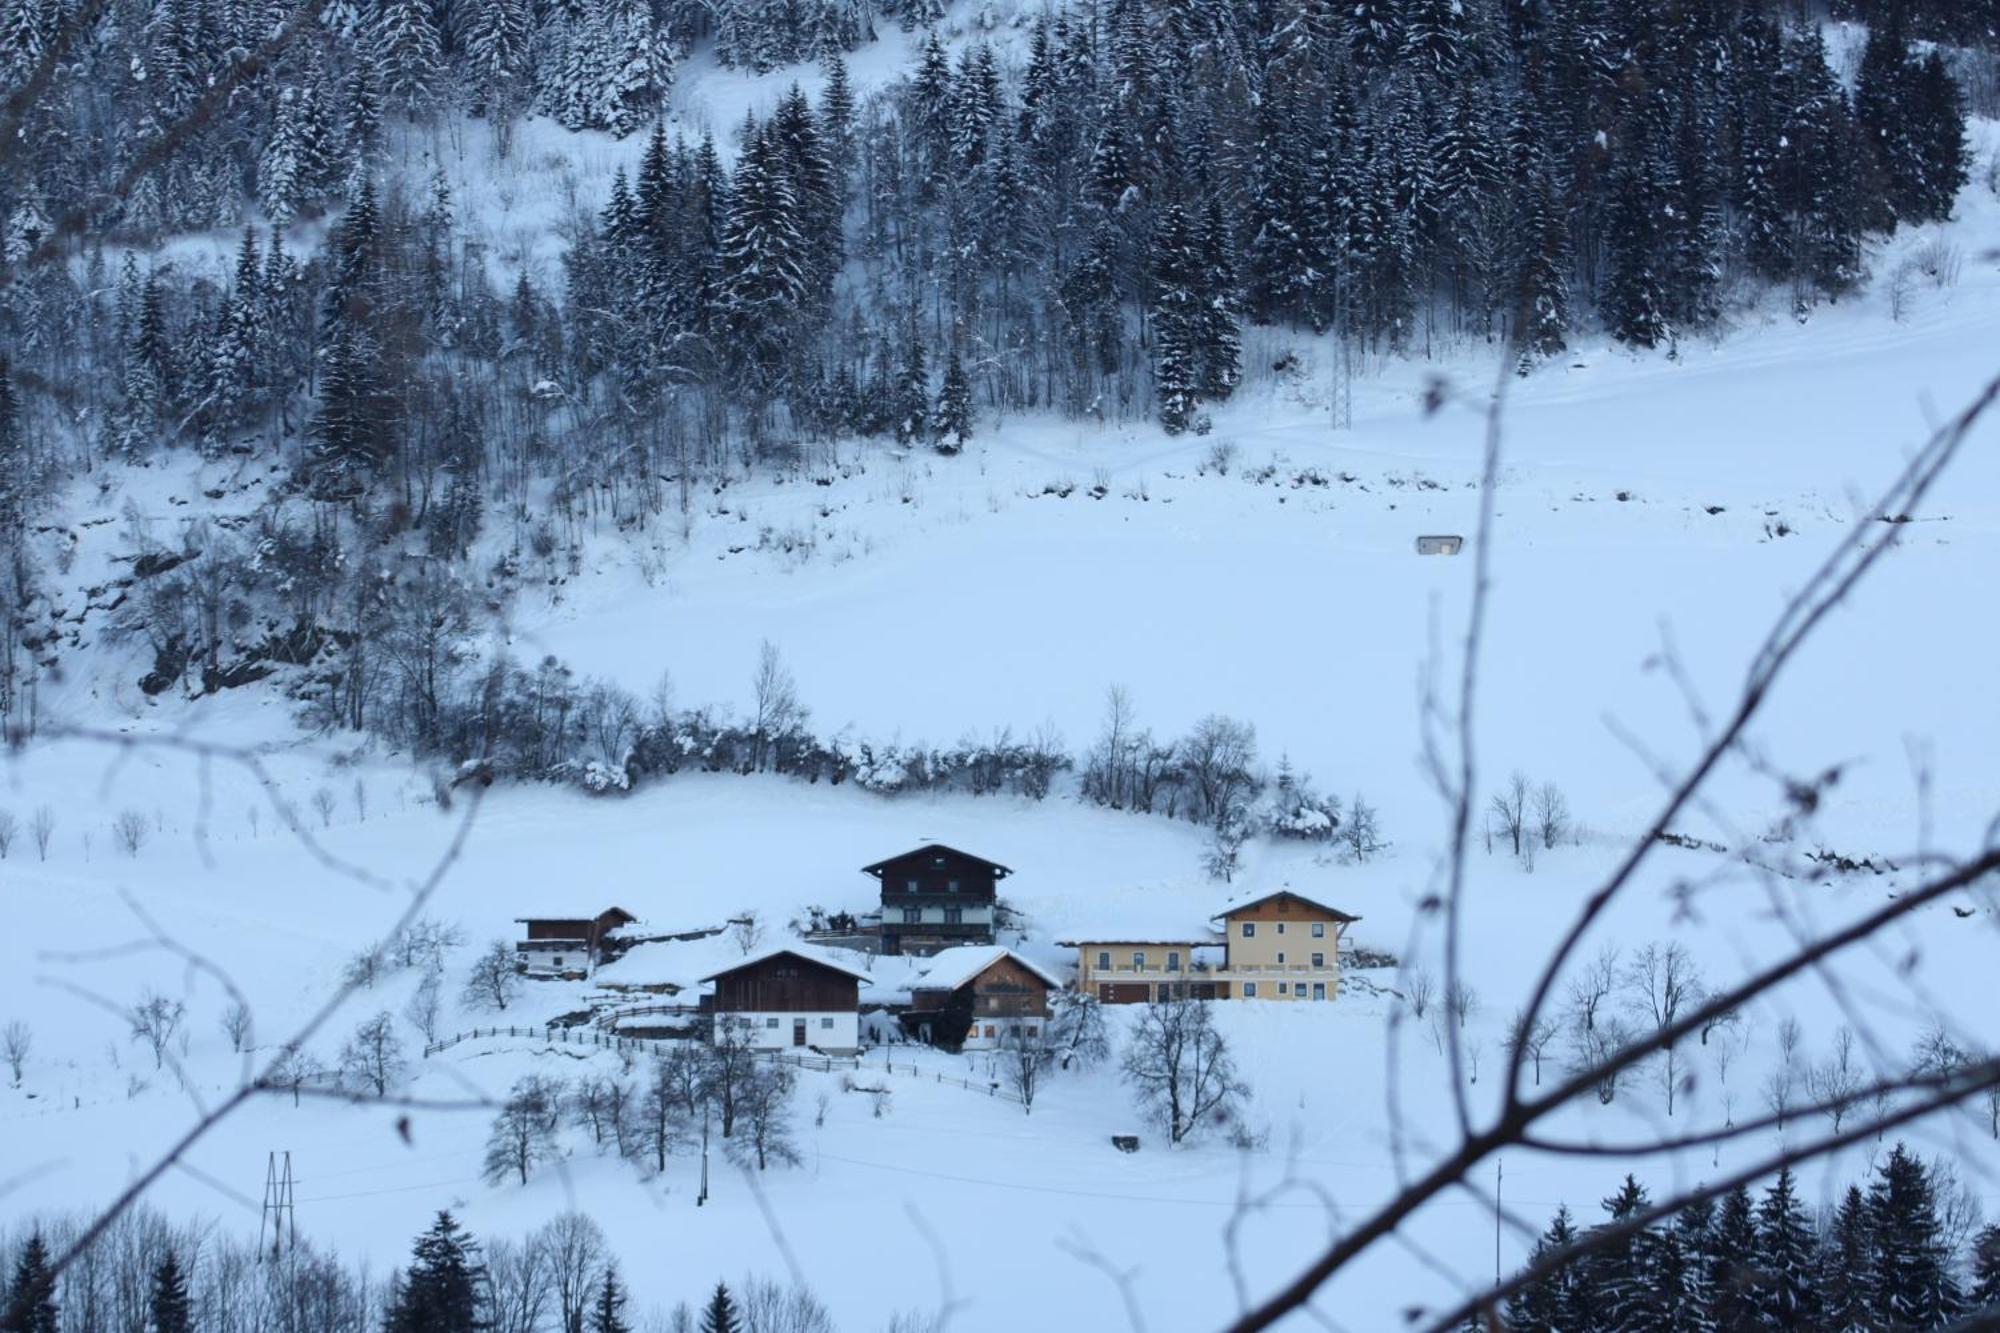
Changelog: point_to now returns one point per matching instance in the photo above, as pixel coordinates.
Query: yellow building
(1282, 945)
(1279, 945)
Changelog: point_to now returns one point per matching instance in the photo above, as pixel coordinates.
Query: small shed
(1440, 544)
(566, 946)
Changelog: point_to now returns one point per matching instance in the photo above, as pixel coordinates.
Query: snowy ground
(1643, 501)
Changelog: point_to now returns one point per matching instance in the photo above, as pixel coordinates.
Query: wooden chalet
(566, 947)
(994, 992)
(787, 996)
(937, 897)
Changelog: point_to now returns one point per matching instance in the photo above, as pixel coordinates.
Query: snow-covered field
(1644, 503)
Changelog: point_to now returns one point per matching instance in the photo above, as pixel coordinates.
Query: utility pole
(702, 1197)
(280, 1220)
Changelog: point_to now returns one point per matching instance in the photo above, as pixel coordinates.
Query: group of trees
(669, 1106)
(1899, 1256)
(146, 1274)
(1084, 231)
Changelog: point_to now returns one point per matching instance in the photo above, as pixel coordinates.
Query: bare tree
(154, 1021)
(775, 709)
(8, 827)
(236, 1025)
(16, 1040)
(1023, 1060)
(1661, 985)
(1599, 1050)
(747, 929)
(129, 831)
(1552, 823)
(764, 1101)
(1419, 992)
(1361, 832)
(372, 1059)
(325, 803)
(663, 1106)
(1531, 1040)
(1461, 1002)
(425, 1006)
(726, 1067)
(493, 981)
(1181, 1068)
(572, 1249)
(1509, 810)
(294, 1071)
(1591, 987)
(1076, 1030)
(517, 1288)
(1218, 756)
(42, 827)
(770, 1308)
(1835, 1082)
(524, 1133)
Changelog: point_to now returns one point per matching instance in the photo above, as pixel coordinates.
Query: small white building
(791, 996)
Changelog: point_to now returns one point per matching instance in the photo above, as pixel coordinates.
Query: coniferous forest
(1080, 219)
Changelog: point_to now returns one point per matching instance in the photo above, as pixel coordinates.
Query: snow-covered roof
(812, 953)
(999, 871)
(1250, 900)
(578, 912)
(951, 968)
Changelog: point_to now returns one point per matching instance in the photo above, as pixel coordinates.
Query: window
(1319, 960)
(951, 886)
(1139, 959)
(1319, 990)
(1319, 930)
(1173, 961)
(909, 886)
(1249, 929)
(1249, 990)
(1033, 1031)
(1281, 927)
(826, 1024)
(770, 1022)
(1281, 988)
(1281, 955)
(556, 961)
(912, 915)
(989, 1032)
(1104, 960)
(954, 916)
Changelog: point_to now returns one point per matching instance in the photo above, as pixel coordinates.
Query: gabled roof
(951, 968)
(1246, 903)
(575, 915)
(999, 871)
(810, 953)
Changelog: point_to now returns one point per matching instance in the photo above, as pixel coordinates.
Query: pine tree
(1938, 126)
(13, 461)
(1549, 1303)
(763, 268)
(170, 1306)
(719, 1315)
(1176, 319)
(1732, 1265)
(441, 1291)
(913, 394)
(407, 54)
(1634, 298)
(1620, 1271)
(1217, 340)
(1985, 1294)
(31, 1297)
(607, 1315)
(954, 406)
(1911, 1280)
(1844, 1262)
(1786, 1293)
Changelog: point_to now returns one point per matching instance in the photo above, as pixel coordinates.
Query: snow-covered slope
(1644, 502)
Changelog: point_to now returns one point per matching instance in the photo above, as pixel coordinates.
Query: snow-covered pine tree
(1176, 319)
(31, 1297)
(440, 1292)
(1787, 1296)
(607, 1312)
(1634, 296)
(1844, 1267)
(1550, 1302)
(1911, 1280)
(408, 57)
(953, 420)
(1984, 1297)
(1218, 341)
(719, 1314)
(913, 393)
(1733, 1276)
(764, 268)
